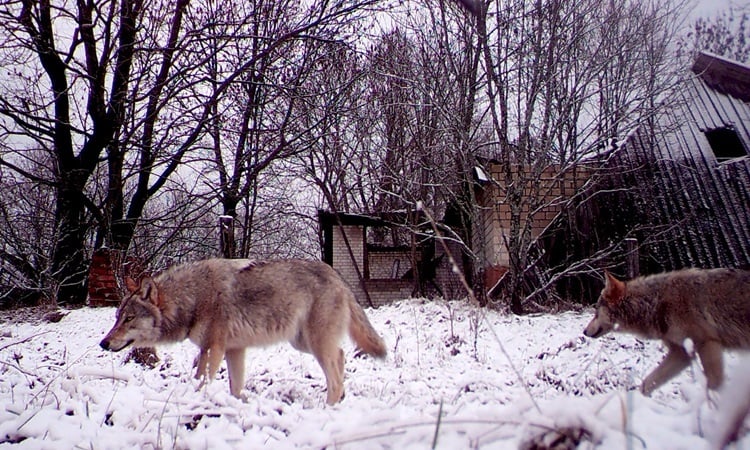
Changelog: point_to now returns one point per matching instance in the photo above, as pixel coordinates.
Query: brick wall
(383, 264)
(495, 212)
(107, 267)
(103, 288)
(342, 260)
(448, 281)
(383, 292)
(381, 289)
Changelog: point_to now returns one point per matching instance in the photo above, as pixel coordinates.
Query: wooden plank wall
(665, 187)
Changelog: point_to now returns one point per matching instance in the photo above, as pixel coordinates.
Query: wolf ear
(614, 289)
(131, 285)
(149, 290)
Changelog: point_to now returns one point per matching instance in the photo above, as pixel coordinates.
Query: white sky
(707, 8)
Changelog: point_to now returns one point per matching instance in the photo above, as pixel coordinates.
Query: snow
(59, 390)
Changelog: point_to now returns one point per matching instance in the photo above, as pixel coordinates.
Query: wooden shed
(679, 186)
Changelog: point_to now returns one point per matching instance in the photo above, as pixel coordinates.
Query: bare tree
(564, 80)
(78, 103)
(725, 34)
(450, 43)
(433, 134)
(397, 126)
(334, 106)
(257, 121)
(26, 226)
(121, 91)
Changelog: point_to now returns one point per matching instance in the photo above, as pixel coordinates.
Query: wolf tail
(361, 331)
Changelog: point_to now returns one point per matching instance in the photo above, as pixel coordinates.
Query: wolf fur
(710, 307)
(226, 305)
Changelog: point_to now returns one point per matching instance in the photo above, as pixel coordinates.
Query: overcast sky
(707, 8)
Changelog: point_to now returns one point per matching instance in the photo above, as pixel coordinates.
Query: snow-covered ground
(455, 377)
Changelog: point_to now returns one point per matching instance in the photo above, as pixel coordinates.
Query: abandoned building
(376, 256)
(680, 189)
(674, 194)
(552, 186)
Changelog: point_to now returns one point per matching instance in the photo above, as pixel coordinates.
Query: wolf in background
(226, 305)
(711, 307)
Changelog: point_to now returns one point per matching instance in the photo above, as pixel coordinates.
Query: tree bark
(69, 261)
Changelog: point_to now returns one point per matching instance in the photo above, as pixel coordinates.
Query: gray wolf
(711, 307)
(226, 305)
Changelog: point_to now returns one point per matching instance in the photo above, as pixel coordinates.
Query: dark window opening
(725, 143)
(388, 253)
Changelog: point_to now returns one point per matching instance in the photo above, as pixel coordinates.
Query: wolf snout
(592, 333)
(118, 345)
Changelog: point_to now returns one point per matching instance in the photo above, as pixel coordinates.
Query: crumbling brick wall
(103, 287)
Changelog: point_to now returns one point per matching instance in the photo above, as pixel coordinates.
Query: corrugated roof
(724, 75)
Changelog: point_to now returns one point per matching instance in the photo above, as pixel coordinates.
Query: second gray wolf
(711, 307)
(226, 305)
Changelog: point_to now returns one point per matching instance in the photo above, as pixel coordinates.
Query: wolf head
(138, 318)
(610, 298)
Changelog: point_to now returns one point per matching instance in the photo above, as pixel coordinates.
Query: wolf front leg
(236, 367)
(212, 345)
(200, 364)
(675, 361)
(215, 355)
(710, 355)
(208, 363)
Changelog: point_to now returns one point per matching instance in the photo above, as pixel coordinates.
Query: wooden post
(631, 257)
(226, 236)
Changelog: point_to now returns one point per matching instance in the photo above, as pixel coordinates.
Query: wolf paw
(203, 382)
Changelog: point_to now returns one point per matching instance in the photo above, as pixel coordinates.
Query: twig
(109, 405)
(416, 330)
(437, 425)
(161, 416)
(401, 429)
(23, 340)
(387, 433)
(28, 419)
(18, 368)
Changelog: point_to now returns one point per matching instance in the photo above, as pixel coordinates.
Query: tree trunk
(226, 236)
(69, 260)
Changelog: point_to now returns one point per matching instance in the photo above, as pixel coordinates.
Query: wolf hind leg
(331, 360)
(236, 367)
(675, 361)
(711, 359)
